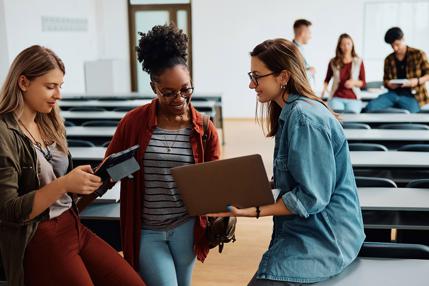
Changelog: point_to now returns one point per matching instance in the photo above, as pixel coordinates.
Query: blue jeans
(167, 258)
(343, 104)
(393, 99)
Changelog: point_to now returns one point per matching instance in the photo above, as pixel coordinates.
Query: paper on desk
(398, 81)
(111, 196)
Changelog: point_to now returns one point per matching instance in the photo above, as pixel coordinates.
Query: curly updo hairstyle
(161, 48)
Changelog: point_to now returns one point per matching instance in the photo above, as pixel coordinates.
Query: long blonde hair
(34, 62)
(282, 55)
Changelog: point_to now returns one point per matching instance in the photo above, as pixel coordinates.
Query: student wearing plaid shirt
(404, 63)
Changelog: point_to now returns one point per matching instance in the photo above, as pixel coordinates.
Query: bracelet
(258, 211)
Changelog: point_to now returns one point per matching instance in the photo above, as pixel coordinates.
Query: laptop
(209, 187)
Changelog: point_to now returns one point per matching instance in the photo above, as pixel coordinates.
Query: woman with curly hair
(159, 238)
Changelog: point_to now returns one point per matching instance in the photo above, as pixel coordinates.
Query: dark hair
(393, 34)
(339, 56)
(301, 22)
(282, 55)
(161, 48)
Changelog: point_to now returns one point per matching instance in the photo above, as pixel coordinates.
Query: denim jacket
(313, 171)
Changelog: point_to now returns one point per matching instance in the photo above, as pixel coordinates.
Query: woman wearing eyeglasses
(160, 239)
(42, 241)
(318, 227)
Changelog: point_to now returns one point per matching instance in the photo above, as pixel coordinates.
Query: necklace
(47, 154)
(172, 144)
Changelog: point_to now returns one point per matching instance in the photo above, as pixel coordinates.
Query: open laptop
(209, 187)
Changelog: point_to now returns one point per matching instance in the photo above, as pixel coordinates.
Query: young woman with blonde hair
(38, 217)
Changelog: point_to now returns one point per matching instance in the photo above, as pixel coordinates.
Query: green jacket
(18, 184)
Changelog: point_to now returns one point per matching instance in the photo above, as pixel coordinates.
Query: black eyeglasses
(184, 92)
(254, 77)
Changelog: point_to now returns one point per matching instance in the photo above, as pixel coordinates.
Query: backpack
(220, 230)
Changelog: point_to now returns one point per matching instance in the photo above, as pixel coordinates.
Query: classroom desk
(87, 154)
(391, 138)
(400, 208)
(390, 159)
(376, 135)
(65, 104)
(382, 271)
(90, 131)
(80, 116)
(391, 199)
(381, 118)
(365, 95)
(366, 159)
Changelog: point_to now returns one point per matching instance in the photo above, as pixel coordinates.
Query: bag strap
(205, 135)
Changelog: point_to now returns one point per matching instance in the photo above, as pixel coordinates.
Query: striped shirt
(163, 207)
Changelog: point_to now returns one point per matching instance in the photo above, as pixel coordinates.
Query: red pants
(64, 252)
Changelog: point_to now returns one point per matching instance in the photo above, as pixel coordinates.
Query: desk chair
(408, 126)
(421, 183)
(87, 108)
(384, 235)
(414, 148)
(367, 147)
(123, 108)
(394, 250)
(374, 182)
(99, 123)
(390, 110)
(353, 125)
(79, 143)
(68, 123)
(342, 111)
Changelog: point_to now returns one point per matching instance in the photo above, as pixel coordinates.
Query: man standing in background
(302, 32)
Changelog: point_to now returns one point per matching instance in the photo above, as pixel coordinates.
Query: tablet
(209, 187)
(118, 165)
(399, 81)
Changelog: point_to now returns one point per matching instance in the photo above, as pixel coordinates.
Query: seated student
(349, 77)
(318, 228)
(404, 63)
(42, 241)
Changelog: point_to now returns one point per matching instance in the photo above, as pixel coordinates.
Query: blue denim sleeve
(311, 162)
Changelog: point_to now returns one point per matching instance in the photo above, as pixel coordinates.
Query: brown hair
(339, 56)
(282, 55)
(300, 23)
(34, 62)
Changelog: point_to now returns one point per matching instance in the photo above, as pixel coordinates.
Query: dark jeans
(393, 99)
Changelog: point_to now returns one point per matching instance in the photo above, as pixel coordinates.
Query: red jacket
(137, 128)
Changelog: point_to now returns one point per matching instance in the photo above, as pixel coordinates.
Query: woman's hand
(81, 180)
(233, 211)
(350, 84)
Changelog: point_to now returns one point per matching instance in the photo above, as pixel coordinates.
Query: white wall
(224, 32)
(4, 53)
(105, 38)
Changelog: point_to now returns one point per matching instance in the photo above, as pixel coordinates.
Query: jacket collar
(11, 121)
(196, 118)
